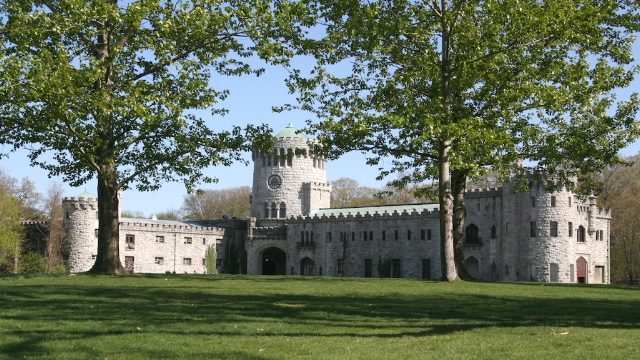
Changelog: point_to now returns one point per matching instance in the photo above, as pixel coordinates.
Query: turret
(290, 180)
(81, 227)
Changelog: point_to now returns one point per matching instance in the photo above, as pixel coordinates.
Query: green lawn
(316, 318)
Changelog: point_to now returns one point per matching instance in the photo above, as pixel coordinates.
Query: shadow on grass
(170, 306)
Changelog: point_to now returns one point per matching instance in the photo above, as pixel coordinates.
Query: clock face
(274, 181)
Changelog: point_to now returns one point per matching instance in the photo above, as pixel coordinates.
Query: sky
(250, 102)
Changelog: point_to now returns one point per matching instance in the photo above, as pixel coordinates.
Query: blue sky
(250, 101)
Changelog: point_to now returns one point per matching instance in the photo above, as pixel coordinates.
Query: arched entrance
(307, 267)
(472, 266)
(274, 261)
(581, 266)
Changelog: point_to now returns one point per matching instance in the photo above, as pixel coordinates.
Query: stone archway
(472, 266)
(581, 267)
(307, 267)
(274, 261)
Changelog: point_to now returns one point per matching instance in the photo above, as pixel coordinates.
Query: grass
(240, 317)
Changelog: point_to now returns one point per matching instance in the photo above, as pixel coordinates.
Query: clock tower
(290, 180)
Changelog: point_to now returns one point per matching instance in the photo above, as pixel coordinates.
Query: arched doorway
(581, 266)
(472, 266)
(274, 261)
(307, 267)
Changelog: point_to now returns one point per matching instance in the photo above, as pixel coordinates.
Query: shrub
(31, 263)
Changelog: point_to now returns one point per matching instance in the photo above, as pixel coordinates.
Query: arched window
(471, 235)
(283, 210)
(283, 157)
(493, 232)
(274, 210)
(266, 210)
(581, 234)
(289, 157)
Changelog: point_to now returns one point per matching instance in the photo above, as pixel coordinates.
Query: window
(428, 234)
(96, 232)
(364, 235)
(204, 241)
(370, 235)
(129, 263)
(408, 234)
(601, 235)
(597, 235)
(274, 210)
(160, 239)
(188, 240)
(130, 241)
(554, 272)
(368, 268)
(186, 261)
(289, 157)
(159, 260)
(553, 201)
(93, 256)
(340, 267)
(396, 269)
(426, 268)
(395, 235)
(423, 234)
(266, 211)
(581, 234)
(570, 229)
(493, 232)
(203, 261)
(553, 228)
(283, 210)
(328, 237)
(533, 201)
(353, 236)
(471, 235)
(532, 231)
(384, 237)
(569, 201)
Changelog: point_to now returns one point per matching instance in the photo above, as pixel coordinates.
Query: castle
(509, 236)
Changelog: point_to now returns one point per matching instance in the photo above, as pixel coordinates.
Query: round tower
(81, 227)
(290, 180)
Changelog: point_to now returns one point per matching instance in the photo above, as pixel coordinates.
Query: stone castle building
(509, 236)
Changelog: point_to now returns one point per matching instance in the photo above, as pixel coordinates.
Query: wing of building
(509, 236)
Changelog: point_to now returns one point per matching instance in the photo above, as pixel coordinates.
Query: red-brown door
(581, 265)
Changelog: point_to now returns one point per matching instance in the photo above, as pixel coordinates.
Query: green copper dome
(86, 194)
(291, 132)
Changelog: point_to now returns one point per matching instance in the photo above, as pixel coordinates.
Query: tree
(210, 260)
(171, 214)
(621, 193)
(10, 231)
(447, 89)
(55, 212)
(214, 204)
(346, 192)
(110, 90)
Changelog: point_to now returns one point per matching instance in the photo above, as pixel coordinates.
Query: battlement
(140, 225)
(80, 203)
(484, 190)
(367, 215)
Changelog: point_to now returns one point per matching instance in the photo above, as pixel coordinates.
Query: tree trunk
(446, 215)
(459, 187)
(108, 258)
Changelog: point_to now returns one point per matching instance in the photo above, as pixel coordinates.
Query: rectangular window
(353, 236)
(423, 234)
(570, 228)
(395, 235)
(97, 232)
(130, 241)
(553, 228)
(188, 240)
(328, 236)
(160, 239)
(554, 272)
(426, 268)
(159, 260)
(533, 231)
(572, 273)
(186, 261)
(569, 201)
(396, 270)
(364, 235)
(368, 268)
(203, 260)
(553, 201)
(204, 241)
(533, 201)
(370, 235)
(602, 235)
(408, 234)
(340, 267)
(428, 234)
(597, 235)
(384, 237)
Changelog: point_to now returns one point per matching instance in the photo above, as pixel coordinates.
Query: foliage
(170, 214)
(214, 204)
(31, 262)
(115, 90)
(231, 259)
(172, 316)
(24, 191)
(10, 231)
(210, 260)
(621, 193)
(446, 89)
(346, 192)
